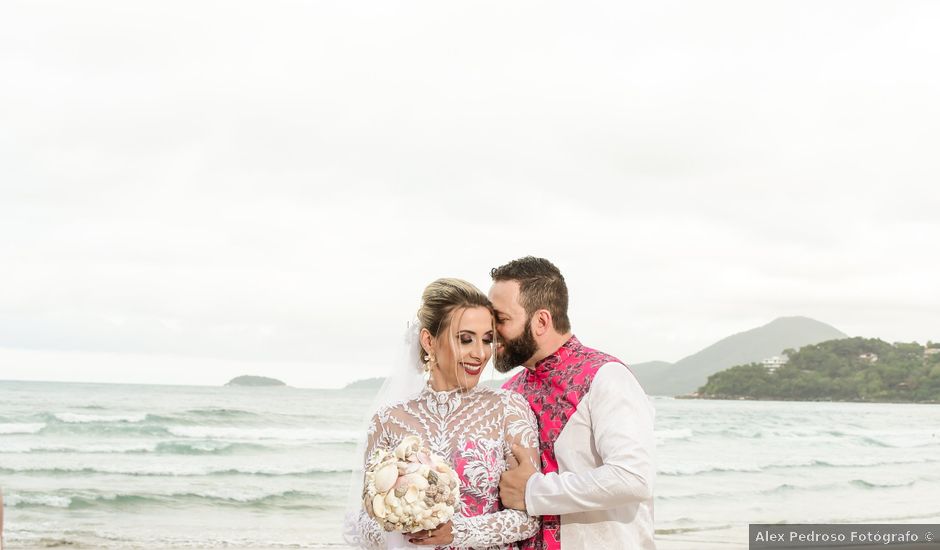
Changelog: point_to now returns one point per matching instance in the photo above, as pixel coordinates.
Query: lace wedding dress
(474, 431)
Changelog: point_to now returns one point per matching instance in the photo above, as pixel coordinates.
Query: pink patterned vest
(553, 389)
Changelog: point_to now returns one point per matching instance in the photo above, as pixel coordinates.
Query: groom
(595, 421)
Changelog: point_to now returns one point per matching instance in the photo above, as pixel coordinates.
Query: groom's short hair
(541, 286)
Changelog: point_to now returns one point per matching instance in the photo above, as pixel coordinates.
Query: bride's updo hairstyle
(442, 298)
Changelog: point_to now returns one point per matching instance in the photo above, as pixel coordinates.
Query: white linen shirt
(603, 489)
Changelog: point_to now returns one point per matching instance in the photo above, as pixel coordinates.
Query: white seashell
(385, 478)
(392, 518)
(378, 506)
(391, 500)
(407, 447)
(411, 495)
(417, 480)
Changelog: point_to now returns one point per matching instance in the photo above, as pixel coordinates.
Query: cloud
(276, 185)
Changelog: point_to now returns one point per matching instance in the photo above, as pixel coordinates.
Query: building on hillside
(775, 362)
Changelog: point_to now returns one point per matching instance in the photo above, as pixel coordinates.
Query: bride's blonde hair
(442, 298)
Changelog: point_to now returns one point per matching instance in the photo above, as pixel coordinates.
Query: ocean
(134, 466)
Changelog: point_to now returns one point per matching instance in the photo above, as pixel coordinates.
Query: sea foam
(76, 418)
(31, 428)
(258, 434)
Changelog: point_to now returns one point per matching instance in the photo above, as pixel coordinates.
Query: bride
(472, 427)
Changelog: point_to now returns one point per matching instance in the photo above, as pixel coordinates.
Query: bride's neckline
(428, 388)
(446, 402)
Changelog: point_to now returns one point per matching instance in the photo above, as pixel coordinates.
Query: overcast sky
(194, 190)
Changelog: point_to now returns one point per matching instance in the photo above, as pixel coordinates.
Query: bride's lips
(472, 369)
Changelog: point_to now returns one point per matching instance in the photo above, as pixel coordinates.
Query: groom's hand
(512, 483)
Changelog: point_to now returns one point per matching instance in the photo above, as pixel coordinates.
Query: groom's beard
(517, 351)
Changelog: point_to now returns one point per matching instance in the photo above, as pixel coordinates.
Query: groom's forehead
(505, 295)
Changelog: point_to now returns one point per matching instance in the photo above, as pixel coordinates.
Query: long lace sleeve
(361, 530)
(505, 526)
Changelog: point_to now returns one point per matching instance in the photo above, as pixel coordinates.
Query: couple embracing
(560, 458)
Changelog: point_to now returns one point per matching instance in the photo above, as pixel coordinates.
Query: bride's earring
(428, 362)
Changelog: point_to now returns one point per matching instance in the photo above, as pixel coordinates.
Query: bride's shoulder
(487, 392)
(506, 399)
(396, 408)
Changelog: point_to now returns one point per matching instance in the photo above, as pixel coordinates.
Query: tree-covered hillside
(659, 378)
(850, 369)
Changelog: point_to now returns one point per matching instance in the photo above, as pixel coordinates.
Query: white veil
(405, 381)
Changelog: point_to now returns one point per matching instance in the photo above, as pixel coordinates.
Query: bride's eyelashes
(466, 339)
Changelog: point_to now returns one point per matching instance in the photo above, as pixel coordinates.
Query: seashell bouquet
(409, 489)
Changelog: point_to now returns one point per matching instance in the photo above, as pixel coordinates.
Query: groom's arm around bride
(622, 440)
(596, 422)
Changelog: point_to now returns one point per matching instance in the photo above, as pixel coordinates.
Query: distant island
(255, 381)
(849, 369)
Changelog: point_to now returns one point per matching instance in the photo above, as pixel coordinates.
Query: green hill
(851, 369)
(684, 376)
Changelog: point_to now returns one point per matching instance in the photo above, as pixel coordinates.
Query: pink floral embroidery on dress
(479, 465)
(474, 430)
